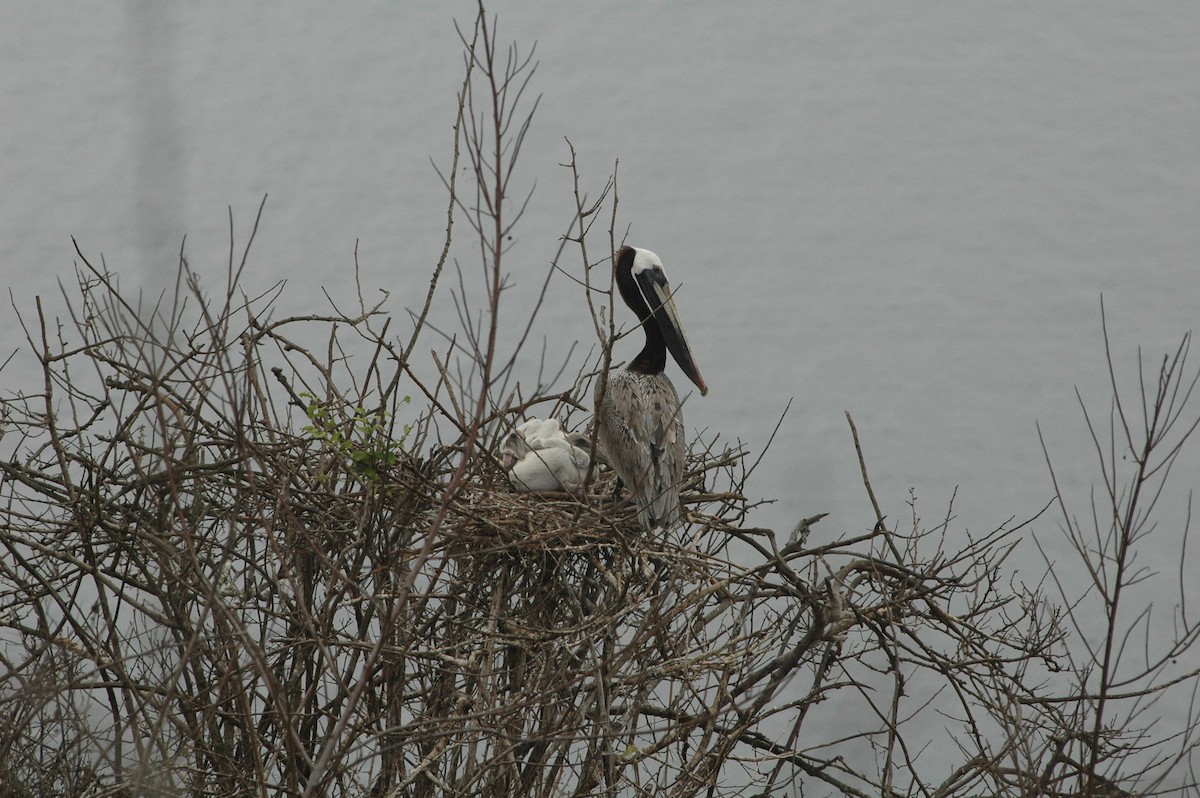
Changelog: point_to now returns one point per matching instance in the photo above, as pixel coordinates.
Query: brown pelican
(540, 456)
(639, 421)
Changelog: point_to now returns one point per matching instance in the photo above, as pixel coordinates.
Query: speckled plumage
(641, 429)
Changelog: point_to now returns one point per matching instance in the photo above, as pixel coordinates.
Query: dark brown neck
(653, 357)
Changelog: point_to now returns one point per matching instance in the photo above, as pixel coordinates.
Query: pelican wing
(641, 429)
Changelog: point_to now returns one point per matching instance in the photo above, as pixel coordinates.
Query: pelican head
(643, 284)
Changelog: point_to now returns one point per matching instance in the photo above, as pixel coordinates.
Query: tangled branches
(216, 583)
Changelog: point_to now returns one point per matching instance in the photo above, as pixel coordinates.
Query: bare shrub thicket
(239, 561)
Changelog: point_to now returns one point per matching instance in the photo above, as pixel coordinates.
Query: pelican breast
(641, 430)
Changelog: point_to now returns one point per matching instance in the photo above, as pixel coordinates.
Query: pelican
(639, 420)
(540, 456)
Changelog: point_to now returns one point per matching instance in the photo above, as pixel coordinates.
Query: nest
(497, 520)
(489, 517)
(552, 570)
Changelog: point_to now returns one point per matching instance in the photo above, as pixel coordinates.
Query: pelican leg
(616, 494)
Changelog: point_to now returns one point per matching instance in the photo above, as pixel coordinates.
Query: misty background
(910, 212)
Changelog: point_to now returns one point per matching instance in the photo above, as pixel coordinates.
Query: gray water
(910, 212)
